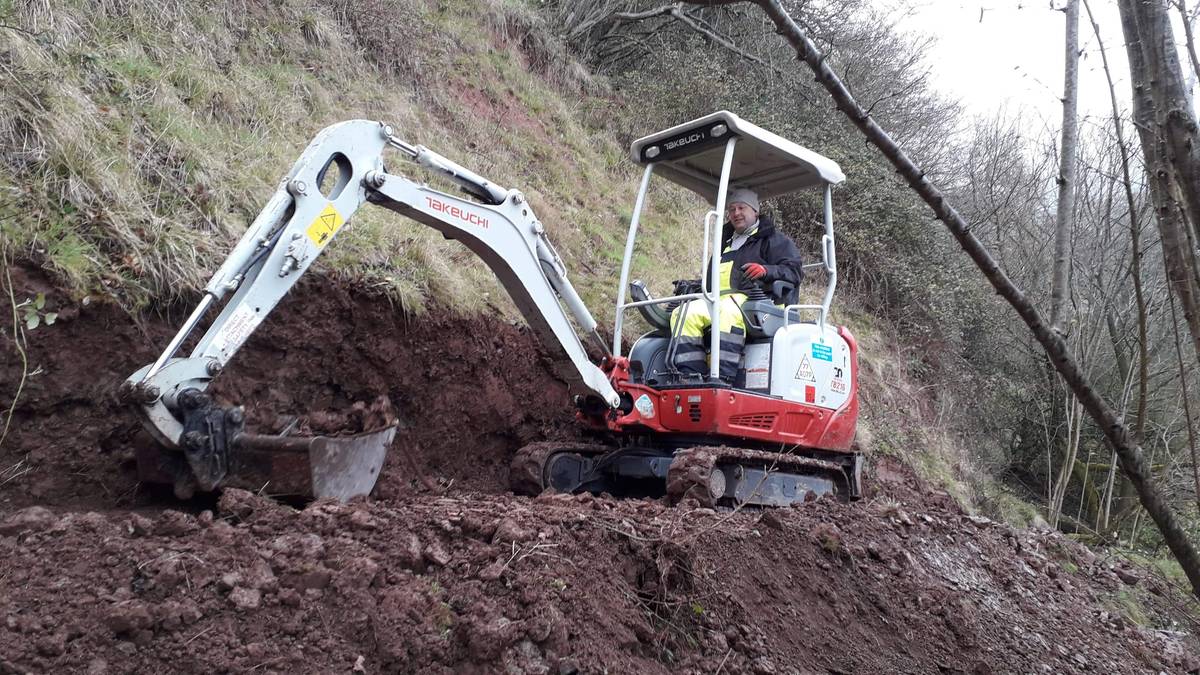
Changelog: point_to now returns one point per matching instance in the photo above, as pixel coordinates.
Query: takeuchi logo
(686, 140)
(457, 212)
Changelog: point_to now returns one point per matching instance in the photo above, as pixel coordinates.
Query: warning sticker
(805, 371)
(235, 331)
(325, 226)
(810, 394)
(645, 406)
(822, 352)
(758, 378)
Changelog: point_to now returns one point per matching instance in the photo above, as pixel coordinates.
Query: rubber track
(528, 468)
(691, 467)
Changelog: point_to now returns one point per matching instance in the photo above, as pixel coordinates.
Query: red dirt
(467, 392)
(100, 575)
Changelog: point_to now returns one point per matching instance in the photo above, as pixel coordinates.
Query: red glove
(754, 270)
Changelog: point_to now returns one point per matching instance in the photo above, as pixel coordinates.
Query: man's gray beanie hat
(747, 197)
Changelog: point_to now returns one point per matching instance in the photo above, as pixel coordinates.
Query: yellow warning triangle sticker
(805, 372)
(325, 225)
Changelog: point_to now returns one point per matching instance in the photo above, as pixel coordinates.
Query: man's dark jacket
(773, 250)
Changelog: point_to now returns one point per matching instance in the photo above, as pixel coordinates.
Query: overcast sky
(1008, 54)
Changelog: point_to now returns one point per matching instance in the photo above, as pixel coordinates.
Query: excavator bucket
(340, 467)
(314, 467)
(211, 449)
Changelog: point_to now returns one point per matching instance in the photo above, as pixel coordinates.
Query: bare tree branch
(1133, 462)
(1187, 19)
(648, 14)
(700, 26)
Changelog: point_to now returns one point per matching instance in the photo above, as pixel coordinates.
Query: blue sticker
(822, 352)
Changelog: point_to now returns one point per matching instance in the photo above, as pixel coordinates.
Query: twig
(520, 553)
(701, 27)
(20, 30)
(167, 557)
(15, 474)
(18, 335)
(722, 666)
(198, 635)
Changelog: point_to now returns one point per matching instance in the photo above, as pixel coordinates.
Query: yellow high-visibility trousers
(691, 354)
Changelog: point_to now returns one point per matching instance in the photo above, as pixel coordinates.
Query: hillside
(444, 571)
(142, 138)
(139, 141)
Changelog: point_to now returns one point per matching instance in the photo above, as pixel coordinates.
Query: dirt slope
(101, 575)
(467, 392)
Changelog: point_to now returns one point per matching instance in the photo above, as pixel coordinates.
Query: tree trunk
(1178, 254)
(1132, 460)
(1063, 224)
(1162, 75)
(1059, 492)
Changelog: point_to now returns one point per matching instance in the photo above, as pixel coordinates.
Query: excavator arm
(341, 169)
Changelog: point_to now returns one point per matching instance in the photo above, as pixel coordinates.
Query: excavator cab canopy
(691, 154)
(711, 156)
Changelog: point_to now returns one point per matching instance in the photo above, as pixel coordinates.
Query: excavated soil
(467, 392)
(443, 570)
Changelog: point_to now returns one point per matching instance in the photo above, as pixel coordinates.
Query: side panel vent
(754, 421)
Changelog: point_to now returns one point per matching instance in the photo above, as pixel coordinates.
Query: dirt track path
(497, 583)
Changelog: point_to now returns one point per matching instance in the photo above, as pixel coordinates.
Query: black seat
(763, 317)
(658, 316)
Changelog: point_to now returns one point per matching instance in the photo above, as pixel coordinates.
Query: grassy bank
(141, 138)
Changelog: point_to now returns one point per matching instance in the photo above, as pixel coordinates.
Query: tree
(1066, 168)
(1130, 454)
(1150, 40)
(1167, 130)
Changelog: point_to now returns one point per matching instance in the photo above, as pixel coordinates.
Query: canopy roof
(691, 154)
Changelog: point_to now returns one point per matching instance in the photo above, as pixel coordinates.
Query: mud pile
(444, 571)
(550, 585)
(466, 391)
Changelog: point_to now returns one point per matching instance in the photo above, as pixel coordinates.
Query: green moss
(1126, 603)
(997, 502)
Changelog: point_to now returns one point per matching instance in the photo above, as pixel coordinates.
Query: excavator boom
(205, 444)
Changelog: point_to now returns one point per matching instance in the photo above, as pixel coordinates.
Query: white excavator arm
(300, 221)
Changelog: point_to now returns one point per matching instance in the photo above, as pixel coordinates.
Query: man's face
(741, 216)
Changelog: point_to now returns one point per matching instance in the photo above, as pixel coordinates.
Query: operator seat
(658, 316)
(762, 316)
(647, 358)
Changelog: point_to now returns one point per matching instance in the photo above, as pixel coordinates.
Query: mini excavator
(780, 433)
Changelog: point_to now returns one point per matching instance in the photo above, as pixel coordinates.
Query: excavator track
(723, 476)
(528, 471)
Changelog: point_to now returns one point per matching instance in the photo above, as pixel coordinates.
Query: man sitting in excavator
(754, 253)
